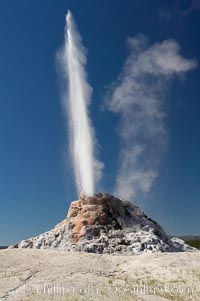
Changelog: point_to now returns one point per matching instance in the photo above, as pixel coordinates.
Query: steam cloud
(138, 96)
(76, 100)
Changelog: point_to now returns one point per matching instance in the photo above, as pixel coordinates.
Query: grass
(193, 243)
(110, 281)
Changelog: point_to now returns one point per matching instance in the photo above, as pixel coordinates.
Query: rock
(105, 224)
(180, 245)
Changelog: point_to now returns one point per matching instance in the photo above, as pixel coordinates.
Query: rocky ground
(37, 275)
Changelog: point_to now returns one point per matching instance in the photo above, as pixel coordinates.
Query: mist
(138, 96)
(76, 99)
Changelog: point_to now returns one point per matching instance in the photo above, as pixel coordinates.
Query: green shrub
(193, 243)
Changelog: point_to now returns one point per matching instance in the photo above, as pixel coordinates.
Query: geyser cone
(105, 224)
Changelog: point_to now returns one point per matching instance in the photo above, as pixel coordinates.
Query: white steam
(76, 99)
(138, 96)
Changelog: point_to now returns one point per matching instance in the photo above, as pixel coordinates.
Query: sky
(36, 182)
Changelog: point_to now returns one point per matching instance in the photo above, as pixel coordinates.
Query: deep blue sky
(35, 187)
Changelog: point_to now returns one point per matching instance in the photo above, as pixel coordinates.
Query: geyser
(76, 100)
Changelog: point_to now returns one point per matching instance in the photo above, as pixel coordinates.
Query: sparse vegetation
(110, 281)
(193, 243)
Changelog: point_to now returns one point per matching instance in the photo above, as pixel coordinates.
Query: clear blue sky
(35, 187)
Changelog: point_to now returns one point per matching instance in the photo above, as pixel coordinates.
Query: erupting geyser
(76, 99)
(102, 223)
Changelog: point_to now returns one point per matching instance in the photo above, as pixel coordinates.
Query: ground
(36, 275)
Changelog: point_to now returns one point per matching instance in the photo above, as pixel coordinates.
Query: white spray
(72, 60)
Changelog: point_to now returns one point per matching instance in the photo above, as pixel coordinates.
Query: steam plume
(138, 96)
(76, 100)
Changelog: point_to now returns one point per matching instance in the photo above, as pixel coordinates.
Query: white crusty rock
(105, 224)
